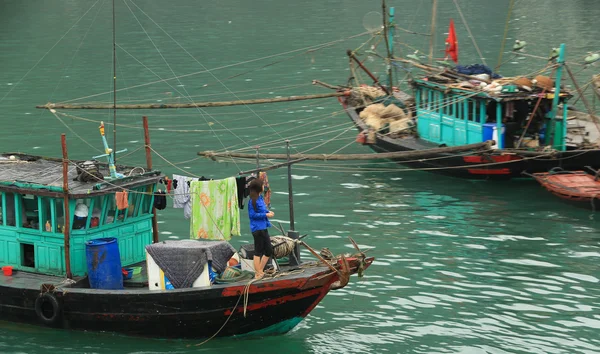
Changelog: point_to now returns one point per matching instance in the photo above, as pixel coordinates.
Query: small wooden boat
(576, 187)
(48, 270)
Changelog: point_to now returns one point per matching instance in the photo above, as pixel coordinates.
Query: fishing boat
(78, 253)
(577, 188)
(52, 270)
(473, 122)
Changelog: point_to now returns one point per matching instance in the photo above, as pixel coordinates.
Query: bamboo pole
(375, 80)
(192, 104)
(67, 226)
(149, 166)
(326, 157)
(585, 101)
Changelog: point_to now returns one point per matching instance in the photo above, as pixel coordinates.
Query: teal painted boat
(513, 124)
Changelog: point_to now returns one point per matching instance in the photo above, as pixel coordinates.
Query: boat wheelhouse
(43, 234)
(451, 116)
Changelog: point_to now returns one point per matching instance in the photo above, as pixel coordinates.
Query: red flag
(452, 43)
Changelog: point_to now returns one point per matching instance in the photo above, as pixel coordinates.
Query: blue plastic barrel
(104, 263)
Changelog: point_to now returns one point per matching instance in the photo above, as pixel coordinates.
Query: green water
(462, 266)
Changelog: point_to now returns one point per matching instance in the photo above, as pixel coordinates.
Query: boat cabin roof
(28, 174)
(501, 89)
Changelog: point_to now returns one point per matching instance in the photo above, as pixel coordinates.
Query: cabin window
(472, 111)
(81, 214)
(27, 255)
(135, 199)
(8, 210)
(45, 214)
(147, 200)
(442, 104)
(111, 210)
(59, 215)
(30, 208)
(96, 207)
(2, 209)
(430, 100)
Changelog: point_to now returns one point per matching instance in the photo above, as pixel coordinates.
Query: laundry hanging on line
(214, 209)
(181, 194)
(267, 189)
(160, 200)
(121, 199)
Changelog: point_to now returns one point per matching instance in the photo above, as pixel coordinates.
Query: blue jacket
(258, 217)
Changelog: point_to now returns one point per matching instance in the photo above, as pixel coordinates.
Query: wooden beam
(67, 227)
(192, 104)
(149, 166)
(273, 167)
(345, 157)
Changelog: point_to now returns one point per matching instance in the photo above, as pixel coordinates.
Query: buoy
(519, 45)
(592, 58)
(361, 138)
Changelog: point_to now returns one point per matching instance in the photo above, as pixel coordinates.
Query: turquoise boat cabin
(455, 109)
(35, 235)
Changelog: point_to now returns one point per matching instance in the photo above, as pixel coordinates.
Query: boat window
(111, 209)
(472, 113)
(452, 103)
(430, 100)
(146, 204)
(2, 208)
(82, 212)
(45, 214)
(96, 206)
(59, 215)
(29, 206)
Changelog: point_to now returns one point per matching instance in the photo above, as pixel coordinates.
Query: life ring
(48, 309)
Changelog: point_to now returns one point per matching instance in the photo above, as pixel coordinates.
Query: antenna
(114, 86)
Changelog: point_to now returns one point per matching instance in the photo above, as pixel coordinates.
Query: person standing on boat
(259, 223)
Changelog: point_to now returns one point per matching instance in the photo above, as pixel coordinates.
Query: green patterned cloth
(215, 213)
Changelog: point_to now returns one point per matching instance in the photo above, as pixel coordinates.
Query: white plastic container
(158, 281)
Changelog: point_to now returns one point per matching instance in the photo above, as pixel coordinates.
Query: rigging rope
(306, 49)
(510, 7)
(470, 34)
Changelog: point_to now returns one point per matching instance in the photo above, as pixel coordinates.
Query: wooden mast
(67, 226)
(149, 166)
(432, 32)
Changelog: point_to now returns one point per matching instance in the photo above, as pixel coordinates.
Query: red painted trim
(483, 171)
(277, 301)
(265, 286)
(493, 158)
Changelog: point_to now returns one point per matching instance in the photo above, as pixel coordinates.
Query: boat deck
(581, 128)
(139, 283)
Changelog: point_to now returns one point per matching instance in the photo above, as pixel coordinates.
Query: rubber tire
(56, 309)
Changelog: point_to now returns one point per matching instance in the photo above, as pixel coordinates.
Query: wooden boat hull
(274, 306)
(495, 165)
(576, 188)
